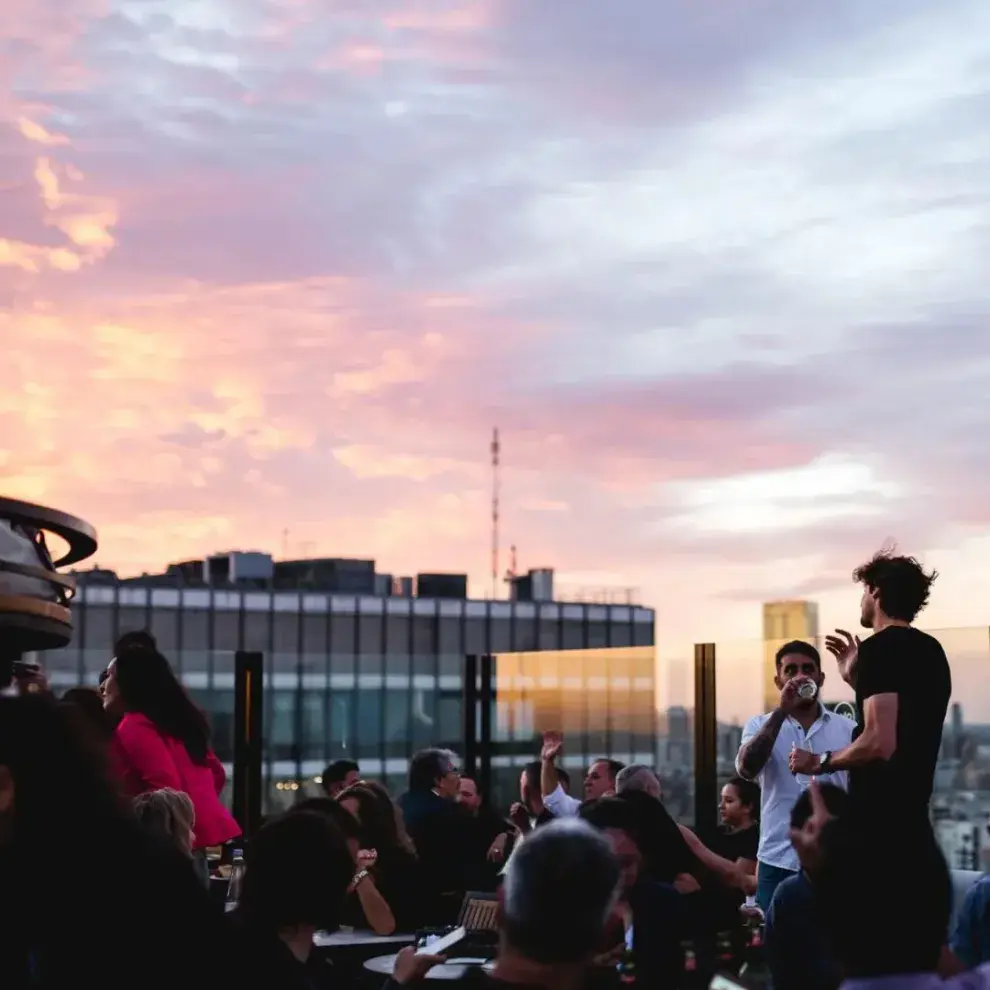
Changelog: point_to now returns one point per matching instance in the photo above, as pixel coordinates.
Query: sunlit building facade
(782, 622)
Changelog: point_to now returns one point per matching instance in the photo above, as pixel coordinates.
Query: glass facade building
(374, 679)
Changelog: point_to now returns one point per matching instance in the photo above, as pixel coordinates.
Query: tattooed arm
(753, 755)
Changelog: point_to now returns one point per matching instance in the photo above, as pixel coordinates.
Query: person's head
(298, 871)
(375, 814)
(638, 777)
(88, 702)
(559, 891)
(469, 797)
(836, 802)
(619, 821)
(339, 776)
(435, 770)
(137, 639)
(530, 790)
(169, 814)
(740, 803)
(800, 660)
(338, 815)
(600, 779)
(42, 742)
(141, 680)
(895, 589)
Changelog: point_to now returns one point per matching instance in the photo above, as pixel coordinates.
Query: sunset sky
(716, 269)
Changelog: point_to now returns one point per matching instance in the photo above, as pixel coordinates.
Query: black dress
(397, 877)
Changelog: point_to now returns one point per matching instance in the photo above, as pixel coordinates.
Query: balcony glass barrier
(961, 800)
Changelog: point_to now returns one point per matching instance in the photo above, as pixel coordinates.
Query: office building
(375, 677)
(782, 622)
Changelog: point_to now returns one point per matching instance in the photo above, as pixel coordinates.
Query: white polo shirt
(780, 788)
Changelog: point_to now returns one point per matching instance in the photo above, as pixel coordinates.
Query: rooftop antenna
(496, 450)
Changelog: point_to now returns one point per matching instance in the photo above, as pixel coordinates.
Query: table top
(329, 940)
(452, 969)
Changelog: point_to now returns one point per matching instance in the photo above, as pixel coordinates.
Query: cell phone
(441, 945)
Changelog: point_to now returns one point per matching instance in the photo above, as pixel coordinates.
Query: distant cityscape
(961, 800)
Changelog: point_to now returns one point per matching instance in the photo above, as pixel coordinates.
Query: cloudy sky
(713, 268)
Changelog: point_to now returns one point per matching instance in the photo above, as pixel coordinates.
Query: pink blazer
(148, 760)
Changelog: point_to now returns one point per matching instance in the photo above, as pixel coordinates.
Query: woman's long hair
(378, 820)
(149, 687)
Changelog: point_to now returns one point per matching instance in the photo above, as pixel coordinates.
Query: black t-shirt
(741, 844)
(911, 664)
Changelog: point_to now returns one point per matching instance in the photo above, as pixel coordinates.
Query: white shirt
(780, 788)
(560, 804)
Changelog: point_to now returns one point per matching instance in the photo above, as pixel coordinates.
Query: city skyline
(275, 266)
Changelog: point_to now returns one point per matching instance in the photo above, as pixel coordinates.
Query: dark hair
(136, 639)
(559, 888)
(749, 795)
(836, 802)
(277, 891)
(341, 817)
(902, 587)
(148, 685)
(613, 812)
(337, 773)
(88, 703)
(663, 847)
(42, 740)
(376, 818)
(148, 888)
(615, 767)
(427, 767)
(800, 647)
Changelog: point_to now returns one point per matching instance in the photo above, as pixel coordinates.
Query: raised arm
(756, 750)
(549, 778)
(732, 874)
(559, 804)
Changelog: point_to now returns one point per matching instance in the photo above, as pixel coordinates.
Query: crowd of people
(825, 867)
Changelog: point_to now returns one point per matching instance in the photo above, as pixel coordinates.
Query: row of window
(322, 725)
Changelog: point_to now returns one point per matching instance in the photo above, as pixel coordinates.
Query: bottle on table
(236, 881)
(626, 967)
(754, 967)
(693, 979)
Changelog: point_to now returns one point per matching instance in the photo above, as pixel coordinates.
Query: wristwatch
(824, 762)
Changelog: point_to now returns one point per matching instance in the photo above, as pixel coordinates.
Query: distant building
(782, 622)
(369, 666)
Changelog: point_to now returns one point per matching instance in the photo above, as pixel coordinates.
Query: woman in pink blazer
(163, 740)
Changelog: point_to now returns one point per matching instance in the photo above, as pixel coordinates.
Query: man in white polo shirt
(767, 741)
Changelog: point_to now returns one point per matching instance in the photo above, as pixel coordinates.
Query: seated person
(384, 891)
(886, 923)
(796, 944)
(298, 872)
(970, 940)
